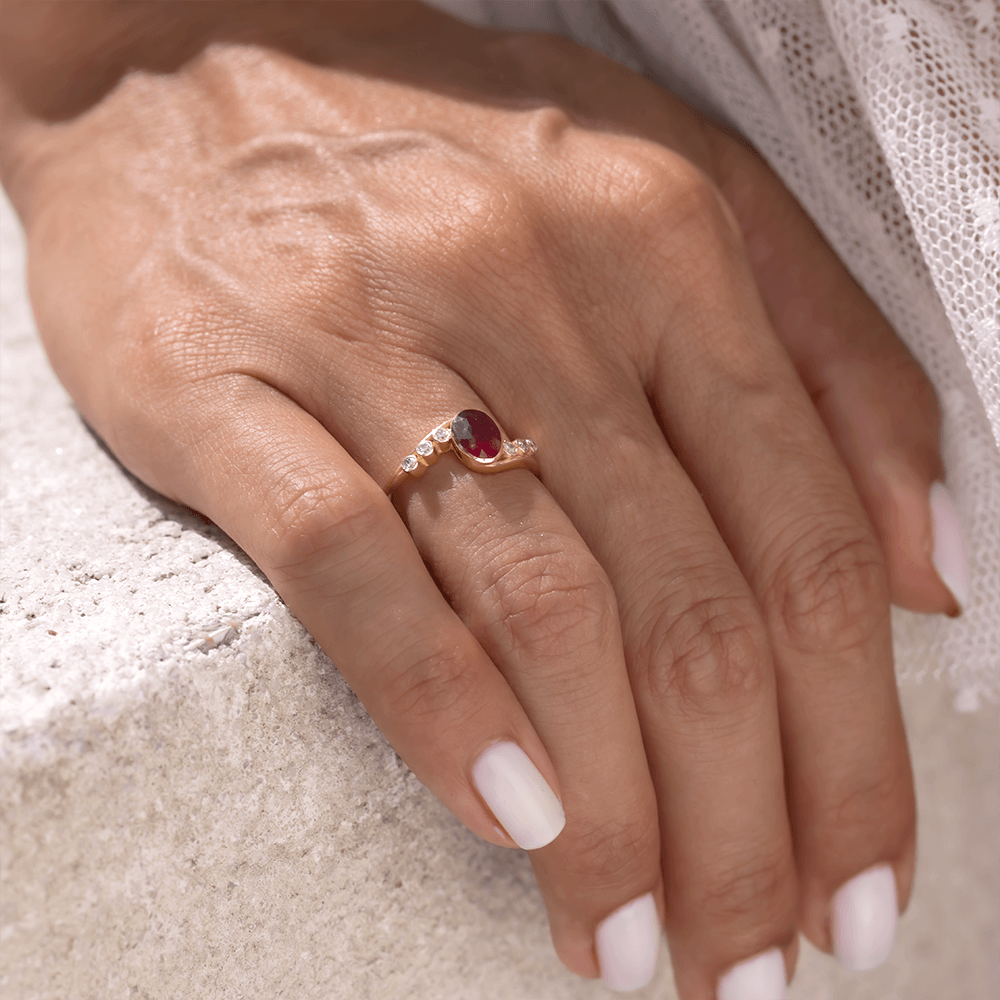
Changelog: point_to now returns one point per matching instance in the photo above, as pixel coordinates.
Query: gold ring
(478, 443)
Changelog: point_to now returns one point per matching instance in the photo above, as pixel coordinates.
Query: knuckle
(545, 126)
(168, 382)
(553, 595)
(609, 855)
(666, 213)
(428, 685)
(700, 658)
(679, 202)
(313, 526)
(690, 193)
(152, 362)
(748, 890)
(833, 597)
(175, 349)
(883, 801)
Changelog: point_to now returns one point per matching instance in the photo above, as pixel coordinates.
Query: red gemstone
(477, 435)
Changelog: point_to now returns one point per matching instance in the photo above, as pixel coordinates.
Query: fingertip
(763, 977)
(865, 915)
(949, 552)
(518, 796)
(628, 945)
(921, 538)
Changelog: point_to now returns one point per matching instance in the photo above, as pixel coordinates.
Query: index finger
(329, 540)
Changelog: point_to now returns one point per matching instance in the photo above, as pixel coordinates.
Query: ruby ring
(478, 443)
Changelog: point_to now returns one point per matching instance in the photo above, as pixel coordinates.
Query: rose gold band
(478, 443)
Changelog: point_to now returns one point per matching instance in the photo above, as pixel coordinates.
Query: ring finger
(532, 594)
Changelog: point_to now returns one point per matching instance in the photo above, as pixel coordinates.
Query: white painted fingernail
(519, 796)
(759, 978)
(865, 914)
(628, 943)
(950, 555)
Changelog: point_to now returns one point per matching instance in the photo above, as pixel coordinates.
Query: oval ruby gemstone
(477, 434)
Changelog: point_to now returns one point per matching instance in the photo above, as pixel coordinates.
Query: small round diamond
(424, 448)
(409, 463)
(509, 448)
(530, 445)
(442, 434)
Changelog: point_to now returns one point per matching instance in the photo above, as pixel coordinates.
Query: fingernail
(950, 554)
(519, 796)
(759, 978)
(865, 913)
(628, 943)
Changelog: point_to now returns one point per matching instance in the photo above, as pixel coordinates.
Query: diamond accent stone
(510, 448)
(409, 463)
(477, 434)
(424, 448)
(442, 434)
(530, 445)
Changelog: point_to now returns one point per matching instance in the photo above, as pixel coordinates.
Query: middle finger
(704, 686)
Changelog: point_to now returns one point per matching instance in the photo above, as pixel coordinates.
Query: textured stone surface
(186, 821)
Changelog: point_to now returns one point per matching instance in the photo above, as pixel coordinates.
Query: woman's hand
(272, 246)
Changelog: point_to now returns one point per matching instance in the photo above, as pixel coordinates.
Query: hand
(273, 245)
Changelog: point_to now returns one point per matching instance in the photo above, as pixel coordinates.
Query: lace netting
(883, 118)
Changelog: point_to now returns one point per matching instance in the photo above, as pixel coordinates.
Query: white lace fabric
(883, 118)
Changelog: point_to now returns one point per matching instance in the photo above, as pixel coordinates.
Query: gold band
(476, 441)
